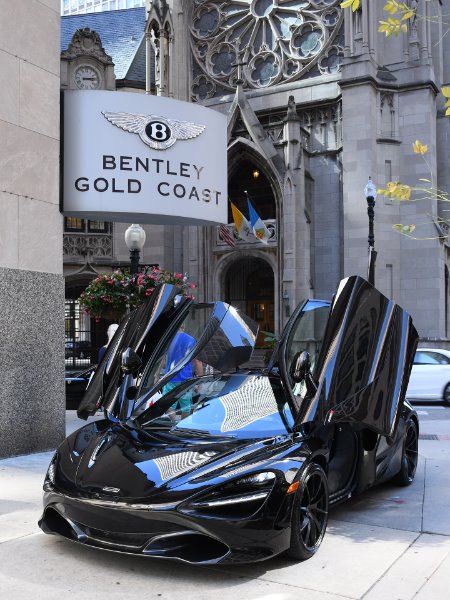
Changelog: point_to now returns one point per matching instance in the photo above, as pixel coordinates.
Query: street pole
(371, 193)
(134, 260)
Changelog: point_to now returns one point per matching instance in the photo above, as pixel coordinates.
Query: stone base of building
(32, 399)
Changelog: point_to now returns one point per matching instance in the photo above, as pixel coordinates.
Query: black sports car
(236, 465)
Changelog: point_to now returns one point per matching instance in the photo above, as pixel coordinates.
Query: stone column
(32, 402)
(294, 235)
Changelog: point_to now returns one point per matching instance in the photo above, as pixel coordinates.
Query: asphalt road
(432, 412)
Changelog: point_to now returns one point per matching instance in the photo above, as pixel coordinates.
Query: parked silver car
(430, 376)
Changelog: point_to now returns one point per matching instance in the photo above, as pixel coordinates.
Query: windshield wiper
(198, 433)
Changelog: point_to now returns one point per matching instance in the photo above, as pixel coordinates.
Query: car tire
(409, 455)
(309, 513)
(446, 395)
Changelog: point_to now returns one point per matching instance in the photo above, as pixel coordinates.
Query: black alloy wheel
(409, 455)
(309, 513)
(446, 395)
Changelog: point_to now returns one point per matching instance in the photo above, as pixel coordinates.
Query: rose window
(264, 42)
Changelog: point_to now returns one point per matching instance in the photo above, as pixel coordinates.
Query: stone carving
(414, 49)
(93, 246)
(273, 126)
(202, 88)
(86, 43)
(324, 126)
(269, 41)
(387, 127)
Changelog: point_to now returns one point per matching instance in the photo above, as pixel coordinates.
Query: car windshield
(241, 405)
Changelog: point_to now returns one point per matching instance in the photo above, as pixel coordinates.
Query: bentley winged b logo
(157, 132)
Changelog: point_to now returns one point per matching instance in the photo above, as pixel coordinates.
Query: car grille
(128, 541)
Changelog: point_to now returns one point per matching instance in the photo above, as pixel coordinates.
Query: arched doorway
(249, 286)
(248, 177)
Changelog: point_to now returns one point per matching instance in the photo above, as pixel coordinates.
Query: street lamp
(135, 240)
(370, 192)
(286, 302)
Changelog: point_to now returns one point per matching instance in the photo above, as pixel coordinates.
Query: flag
(242, 225)
(259, 229)
(225, 234)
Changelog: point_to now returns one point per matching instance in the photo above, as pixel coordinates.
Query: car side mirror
(131, 362)
(301, 371)
(300, 366)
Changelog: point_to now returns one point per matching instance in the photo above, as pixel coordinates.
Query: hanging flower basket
(109, 295)
(112, 314)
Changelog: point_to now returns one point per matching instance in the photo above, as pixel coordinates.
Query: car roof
(441, 350)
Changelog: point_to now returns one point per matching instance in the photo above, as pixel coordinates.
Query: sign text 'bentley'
(165, 168)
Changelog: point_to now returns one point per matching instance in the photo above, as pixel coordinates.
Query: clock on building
(87, 78)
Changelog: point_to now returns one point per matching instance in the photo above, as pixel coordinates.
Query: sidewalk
(388, 544)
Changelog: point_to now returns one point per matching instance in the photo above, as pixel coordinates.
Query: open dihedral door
(213, 334)
(365, 361)
(141, 331)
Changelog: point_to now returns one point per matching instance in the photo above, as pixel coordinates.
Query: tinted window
(177, 347)
(307, 333)
(430, 358)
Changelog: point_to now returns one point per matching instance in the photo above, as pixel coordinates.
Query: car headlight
(245, 494)
(51, 472)
(256, 479)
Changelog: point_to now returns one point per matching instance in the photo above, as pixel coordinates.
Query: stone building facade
(32, 292)
(317, 102)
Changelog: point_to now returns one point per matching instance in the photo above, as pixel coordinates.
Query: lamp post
(286, 302)
(135, 240)
(370, 192)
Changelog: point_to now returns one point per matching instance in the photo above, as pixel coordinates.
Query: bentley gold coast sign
(143, 159)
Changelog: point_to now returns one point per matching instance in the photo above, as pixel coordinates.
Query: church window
(264, 42)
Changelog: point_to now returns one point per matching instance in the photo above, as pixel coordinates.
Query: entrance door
(249, 286)
(263, 313)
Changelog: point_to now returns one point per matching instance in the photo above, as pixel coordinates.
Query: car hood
(112, 462)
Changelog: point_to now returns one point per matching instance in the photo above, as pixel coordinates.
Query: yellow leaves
(355, 4)
(446, 92)
(392, 27)
(402, 191)
(399, 13)
(396, 190)
(402, 12)
(392, 7)
(419, 148)
(406, 229)
(408, 14)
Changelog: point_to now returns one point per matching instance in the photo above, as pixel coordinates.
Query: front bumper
(167, 532)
